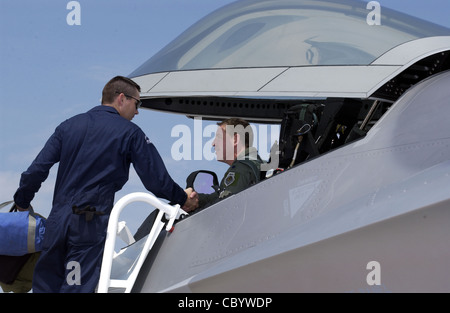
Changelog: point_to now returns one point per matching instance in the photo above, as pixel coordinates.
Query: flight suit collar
(106, 108)
(248, 154)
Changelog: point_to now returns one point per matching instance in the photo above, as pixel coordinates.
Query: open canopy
(277, 33)
(272, 49)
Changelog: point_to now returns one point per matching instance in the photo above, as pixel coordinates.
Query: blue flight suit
(94, 151)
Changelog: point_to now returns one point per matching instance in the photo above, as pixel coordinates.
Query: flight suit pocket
(82, 232)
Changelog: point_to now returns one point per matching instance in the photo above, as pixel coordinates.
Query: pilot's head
(233, 136)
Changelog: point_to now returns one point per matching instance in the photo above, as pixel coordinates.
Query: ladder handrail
(172, 212)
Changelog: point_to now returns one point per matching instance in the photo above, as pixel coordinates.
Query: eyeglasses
(138, 102)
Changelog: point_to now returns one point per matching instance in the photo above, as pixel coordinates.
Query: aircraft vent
(427, 67)
(219, 108)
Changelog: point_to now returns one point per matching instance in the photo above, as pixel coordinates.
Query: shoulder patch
(230, 179)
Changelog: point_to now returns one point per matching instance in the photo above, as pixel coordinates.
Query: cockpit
(294, 62)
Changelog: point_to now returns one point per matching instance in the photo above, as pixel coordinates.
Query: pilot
(94, 151)
(233, 146)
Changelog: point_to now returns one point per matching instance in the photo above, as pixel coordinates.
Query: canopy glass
(278, 33)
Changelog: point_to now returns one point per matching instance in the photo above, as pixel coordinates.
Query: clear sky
(50, 71)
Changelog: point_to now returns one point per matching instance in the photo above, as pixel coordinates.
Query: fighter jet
(364, 208)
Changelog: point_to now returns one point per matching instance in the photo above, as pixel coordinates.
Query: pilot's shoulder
(241, 166)
(247, 165)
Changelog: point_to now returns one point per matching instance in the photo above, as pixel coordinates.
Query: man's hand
(22, 209)
(192, 200)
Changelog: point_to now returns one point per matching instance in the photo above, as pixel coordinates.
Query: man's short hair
(116, 86)
(240, 127)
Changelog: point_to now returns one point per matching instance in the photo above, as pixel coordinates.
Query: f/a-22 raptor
(366, 208)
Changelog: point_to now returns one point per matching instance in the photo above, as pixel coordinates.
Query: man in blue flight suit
(94, 151)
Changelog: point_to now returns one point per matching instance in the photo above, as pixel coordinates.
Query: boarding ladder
(129, 267)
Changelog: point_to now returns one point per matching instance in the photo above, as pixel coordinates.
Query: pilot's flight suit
(94, 151)
(244, 172)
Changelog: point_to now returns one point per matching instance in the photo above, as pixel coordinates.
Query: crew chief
(94, 151)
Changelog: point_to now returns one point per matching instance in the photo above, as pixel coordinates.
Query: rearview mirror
(203, 181)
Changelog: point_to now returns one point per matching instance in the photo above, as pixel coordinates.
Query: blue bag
(21, 233)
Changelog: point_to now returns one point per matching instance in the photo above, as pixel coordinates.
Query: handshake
(192, 200)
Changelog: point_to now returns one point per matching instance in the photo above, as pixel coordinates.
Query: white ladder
(172, 213)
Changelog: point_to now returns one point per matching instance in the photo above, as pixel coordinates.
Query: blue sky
(50, 71)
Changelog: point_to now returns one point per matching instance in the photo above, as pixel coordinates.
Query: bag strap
(6, 203)
(31, 244)
(15, 209)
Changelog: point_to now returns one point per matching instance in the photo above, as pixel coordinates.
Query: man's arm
(32, 179)
(153, 173)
